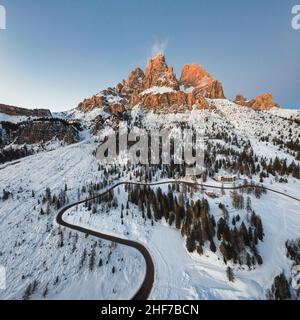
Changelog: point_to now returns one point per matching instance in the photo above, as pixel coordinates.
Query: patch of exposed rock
(176, 101)
(16, 111)
(203, 84)
(241, 100)
(159, 74)
(261, 102)
(115, 100)
(39, 131)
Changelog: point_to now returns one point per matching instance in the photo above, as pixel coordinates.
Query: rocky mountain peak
(201, 82)
(159, 74)
(194, 75)
(262, 102)
(134, 80)
(158, 89)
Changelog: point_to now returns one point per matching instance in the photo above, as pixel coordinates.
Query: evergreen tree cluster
(198, 226)
(108, 199)
(293, 253)
(280, 289)
(238, 244)
(245, 162)
(293, 250)
(11, 154)
(5, 195)
(52, 200)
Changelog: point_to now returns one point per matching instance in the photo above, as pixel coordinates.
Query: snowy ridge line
(146, 287)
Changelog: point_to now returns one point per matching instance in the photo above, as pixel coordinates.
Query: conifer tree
(229, 273)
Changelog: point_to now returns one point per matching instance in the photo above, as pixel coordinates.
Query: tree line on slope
(236, 242)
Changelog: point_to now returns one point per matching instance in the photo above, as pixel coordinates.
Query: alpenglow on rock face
(201, 82)
(193, 76)
(159, 90)
(262, 102)
(159, 74)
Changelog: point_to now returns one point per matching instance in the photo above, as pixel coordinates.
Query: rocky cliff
(201, 83)
(38, 131)
(159, 74)
(16, 111)
(158, 90)
(262, 102)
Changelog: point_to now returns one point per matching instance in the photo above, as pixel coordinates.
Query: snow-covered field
(181, 275)
(31, 243)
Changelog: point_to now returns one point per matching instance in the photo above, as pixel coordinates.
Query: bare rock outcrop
(16, 111)
(159, 74)
(117, 108)
(134, 81)
(203, 84)
(39, 131)
(240, 100)
(262, 102)
(90, 104)
(176, 101)
(115, 99)
(195, 76)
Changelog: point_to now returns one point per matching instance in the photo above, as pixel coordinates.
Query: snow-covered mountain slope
(30, 243)
(182, 275)
(254, 125)
(56, 262)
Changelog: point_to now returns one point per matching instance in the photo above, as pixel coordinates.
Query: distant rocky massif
(16, 111)
(159, 90)
(32, 127)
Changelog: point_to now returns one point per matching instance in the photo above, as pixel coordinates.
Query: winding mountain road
(146, 287)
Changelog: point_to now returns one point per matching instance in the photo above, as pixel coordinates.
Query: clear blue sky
(54, 53)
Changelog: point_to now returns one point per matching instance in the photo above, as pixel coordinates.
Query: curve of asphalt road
(146, 287)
